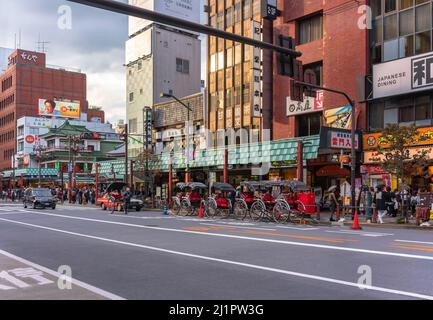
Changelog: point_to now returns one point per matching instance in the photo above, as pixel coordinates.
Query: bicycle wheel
(257, 211)
(240, 210)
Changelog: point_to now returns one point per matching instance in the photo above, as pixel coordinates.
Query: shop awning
(31, 172)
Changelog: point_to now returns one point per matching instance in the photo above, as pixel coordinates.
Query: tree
(396, 154)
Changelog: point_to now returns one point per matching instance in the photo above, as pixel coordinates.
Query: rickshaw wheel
(280, 213)
(240, 210)
(211, 210)
(176, 208)
(256, 211)
(185, 209)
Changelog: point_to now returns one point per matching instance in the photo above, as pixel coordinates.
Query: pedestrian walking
(332, 202)
(126, 200)
(380, 204)
(405, 199)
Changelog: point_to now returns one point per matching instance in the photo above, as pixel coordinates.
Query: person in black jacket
(387, 197)
(380, 204)
(126, 200)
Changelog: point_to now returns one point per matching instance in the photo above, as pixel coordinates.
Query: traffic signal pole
(123, 8)
(353, 132)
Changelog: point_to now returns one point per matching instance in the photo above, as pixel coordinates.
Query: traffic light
(286, 63)
(296, 90)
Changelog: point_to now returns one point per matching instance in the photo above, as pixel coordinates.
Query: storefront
(332, 166)
(418, 178)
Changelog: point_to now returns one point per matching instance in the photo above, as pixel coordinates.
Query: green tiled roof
(28, 172)
(273, 151)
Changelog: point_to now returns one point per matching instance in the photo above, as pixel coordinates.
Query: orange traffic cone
(200, 212)
(356, 225)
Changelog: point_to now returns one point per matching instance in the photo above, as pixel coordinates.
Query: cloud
(95, 45)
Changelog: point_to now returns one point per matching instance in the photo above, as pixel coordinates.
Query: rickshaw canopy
(225, 187)
(116, 186)
(195, 185)
(295, 185)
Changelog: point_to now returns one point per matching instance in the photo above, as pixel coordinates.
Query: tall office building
(160, 59)
(239, 76)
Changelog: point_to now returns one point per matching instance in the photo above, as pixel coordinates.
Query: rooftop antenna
(41, 45)
(19, 41)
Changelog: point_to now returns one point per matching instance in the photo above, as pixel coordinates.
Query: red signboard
(30, 139)
(372, 169)
(328, 171)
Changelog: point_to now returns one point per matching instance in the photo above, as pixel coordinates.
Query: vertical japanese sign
(257, 71)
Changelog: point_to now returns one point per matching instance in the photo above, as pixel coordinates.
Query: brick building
(245, 89)
(27, 80)
(333, 46)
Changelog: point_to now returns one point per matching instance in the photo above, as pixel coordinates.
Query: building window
(375, 115)
(237, 12)
(140, 65)
(229, 17)
(182, 66)
(309, 124)
(133, 125)
(317, 68)
(310, 29)
(400, 29)
(131, 97)
(20, 131)
(247, 9)
(220, 21)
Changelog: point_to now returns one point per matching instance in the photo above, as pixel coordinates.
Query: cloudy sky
(95, 44)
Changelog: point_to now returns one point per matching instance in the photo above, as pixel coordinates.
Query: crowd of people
(383, 199)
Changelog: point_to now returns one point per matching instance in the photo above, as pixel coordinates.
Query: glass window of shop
(401, 28)
(415, 109)
(309, 124)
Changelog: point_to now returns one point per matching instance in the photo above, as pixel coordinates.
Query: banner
(340, 118)
(60, 109)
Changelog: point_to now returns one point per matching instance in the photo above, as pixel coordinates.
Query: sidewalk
(389, 222)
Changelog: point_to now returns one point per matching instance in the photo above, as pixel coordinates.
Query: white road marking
(364, 234)
(81, 284)
(235, 226)
(297, 228)
(222, 235)
(231, 262)
(410, 241)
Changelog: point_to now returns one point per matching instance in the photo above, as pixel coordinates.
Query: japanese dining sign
(403, 76)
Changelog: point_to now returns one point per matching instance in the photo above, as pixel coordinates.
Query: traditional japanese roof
(66, 130)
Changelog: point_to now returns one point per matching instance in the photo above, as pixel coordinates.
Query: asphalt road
(150, 256)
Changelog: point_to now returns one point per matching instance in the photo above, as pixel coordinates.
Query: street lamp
(188, 107)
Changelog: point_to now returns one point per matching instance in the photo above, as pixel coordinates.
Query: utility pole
(70, 171)
(39, 149)
(125, 134)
